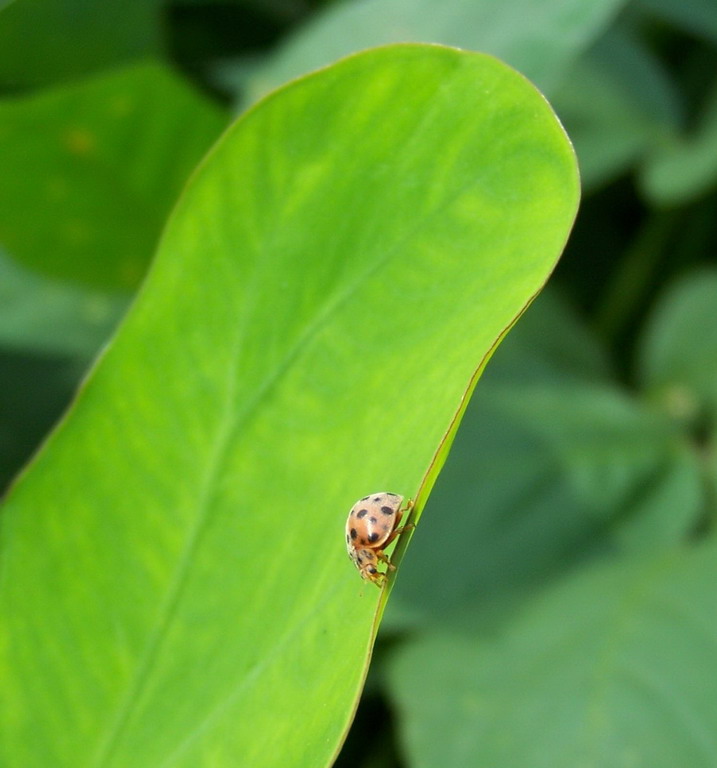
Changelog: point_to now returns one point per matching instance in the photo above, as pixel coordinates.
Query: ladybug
(371, 526)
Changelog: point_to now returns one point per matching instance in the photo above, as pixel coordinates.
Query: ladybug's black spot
(347, 538)
(362, 513)
(377, 498)
(365, 497)
(395, 495)
(373, 537)
(363, 541)
(354, 533)
(372, 570)
(373, 520)
(387, 510)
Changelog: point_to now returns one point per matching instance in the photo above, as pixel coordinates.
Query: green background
(339, 266)
(555, 605)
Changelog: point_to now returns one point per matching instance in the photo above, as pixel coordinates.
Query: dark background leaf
(590, 440)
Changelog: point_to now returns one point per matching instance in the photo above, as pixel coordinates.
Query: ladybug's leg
(379, 579)
(399, 513)
(384, 559)
(397, 532)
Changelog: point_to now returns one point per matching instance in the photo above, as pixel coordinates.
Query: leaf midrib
(231, 422)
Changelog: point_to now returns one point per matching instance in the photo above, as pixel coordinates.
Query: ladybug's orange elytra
(372, 525)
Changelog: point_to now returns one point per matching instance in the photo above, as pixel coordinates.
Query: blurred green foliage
(564, 566)
(156, 508)
(104, 160)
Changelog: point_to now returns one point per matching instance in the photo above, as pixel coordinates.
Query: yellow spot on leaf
(121, 106)
(80, 141)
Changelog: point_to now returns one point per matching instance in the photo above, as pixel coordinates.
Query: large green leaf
(175, 580)
(46, 41)
(539, 40)
(612, 668)
(39, 314)
(34, 390)
(678, 355)
(678, 366)
(103, 160)
(685, 167)
(617, 103)
(554, 463)
(696, 16)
